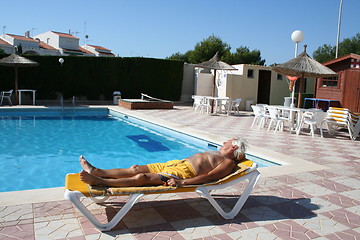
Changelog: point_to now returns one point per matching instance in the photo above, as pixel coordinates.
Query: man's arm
(220, 171)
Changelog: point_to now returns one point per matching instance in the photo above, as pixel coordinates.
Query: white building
(7, 47)
(66, 43)
(28, 45)
(50, 43)
(252, 83)
(98, 50)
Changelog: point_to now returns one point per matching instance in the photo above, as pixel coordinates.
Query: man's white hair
(242, 146)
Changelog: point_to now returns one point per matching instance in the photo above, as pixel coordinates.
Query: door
(351, 94)
(264, 87)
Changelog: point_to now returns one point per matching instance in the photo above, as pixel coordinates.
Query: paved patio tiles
(19, 231)
(18, 214)
(347, 234)
(321, 225)
(321, 205)
(291, 230)
(344, 217)
(340, 200)
(57, 229)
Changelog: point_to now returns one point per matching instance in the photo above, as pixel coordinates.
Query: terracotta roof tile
(100, 48)
(3, 42)
(65, 35)
(22, 38)
(46, 46)
(85, 51)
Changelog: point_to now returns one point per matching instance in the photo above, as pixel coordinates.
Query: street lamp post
(297, 36)
(61, 61)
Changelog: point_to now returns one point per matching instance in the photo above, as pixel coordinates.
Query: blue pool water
(37, 151)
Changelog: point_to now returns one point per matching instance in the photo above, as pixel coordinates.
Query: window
(279, 77)
(330, 82)
(250, 73)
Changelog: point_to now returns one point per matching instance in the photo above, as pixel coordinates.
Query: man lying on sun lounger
(197, 169)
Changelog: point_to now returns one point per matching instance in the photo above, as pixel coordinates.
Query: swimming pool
(38, 148)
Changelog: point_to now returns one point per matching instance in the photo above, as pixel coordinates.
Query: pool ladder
(73, 101)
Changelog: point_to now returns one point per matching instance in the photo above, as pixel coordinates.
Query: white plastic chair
(276, 119)
(260, 116)
(314, 120)
(205, 105)
(235, 106)
(7, 95)
(197, 102)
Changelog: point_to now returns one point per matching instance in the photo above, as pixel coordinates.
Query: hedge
(95, 78)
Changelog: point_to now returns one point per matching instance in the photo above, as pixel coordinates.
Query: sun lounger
(76, 189)
(343, 118)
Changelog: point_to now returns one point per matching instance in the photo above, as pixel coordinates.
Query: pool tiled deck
(318, 201)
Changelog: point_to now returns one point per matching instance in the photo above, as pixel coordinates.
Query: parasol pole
(16, 85)
(292, 105)
(301, 89)
(213, 92)
(293, 89)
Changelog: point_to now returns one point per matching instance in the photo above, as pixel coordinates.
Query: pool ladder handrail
(62, 103)
(73, 101)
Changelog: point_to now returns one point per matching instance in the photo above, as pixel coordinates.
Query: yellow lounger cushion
(74, 183)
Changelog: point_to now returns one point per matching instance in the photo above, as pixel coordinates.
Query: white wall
(9, 49)
(58, 42)
(236, 84)
(49, 38)
(204, 84)
(187, 89)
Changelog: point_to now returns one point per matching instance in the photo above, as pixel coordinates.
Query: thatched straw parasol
(303, 66)
(16, 61)
(216, 64)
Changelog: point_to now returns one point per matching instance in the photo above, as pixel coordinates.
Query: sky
(160, 28)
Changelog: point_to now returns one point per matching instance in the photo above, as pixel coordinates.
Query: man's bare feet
(89, 179)
(86, 166)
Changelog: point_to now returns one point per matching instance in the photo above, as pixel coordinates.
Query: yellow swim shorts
(174, 168)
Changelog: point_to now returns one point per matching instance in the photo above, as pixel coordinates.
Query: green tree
(2, 51)
(244, 56)
(176, 56)
(19, 49)
(348, 45)
(324, 53)
(180, 56)
(207, 48)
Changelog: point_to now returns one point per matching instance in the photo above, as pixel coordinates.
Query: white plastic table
(26, 90)
(298, 111)
(217, 102)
